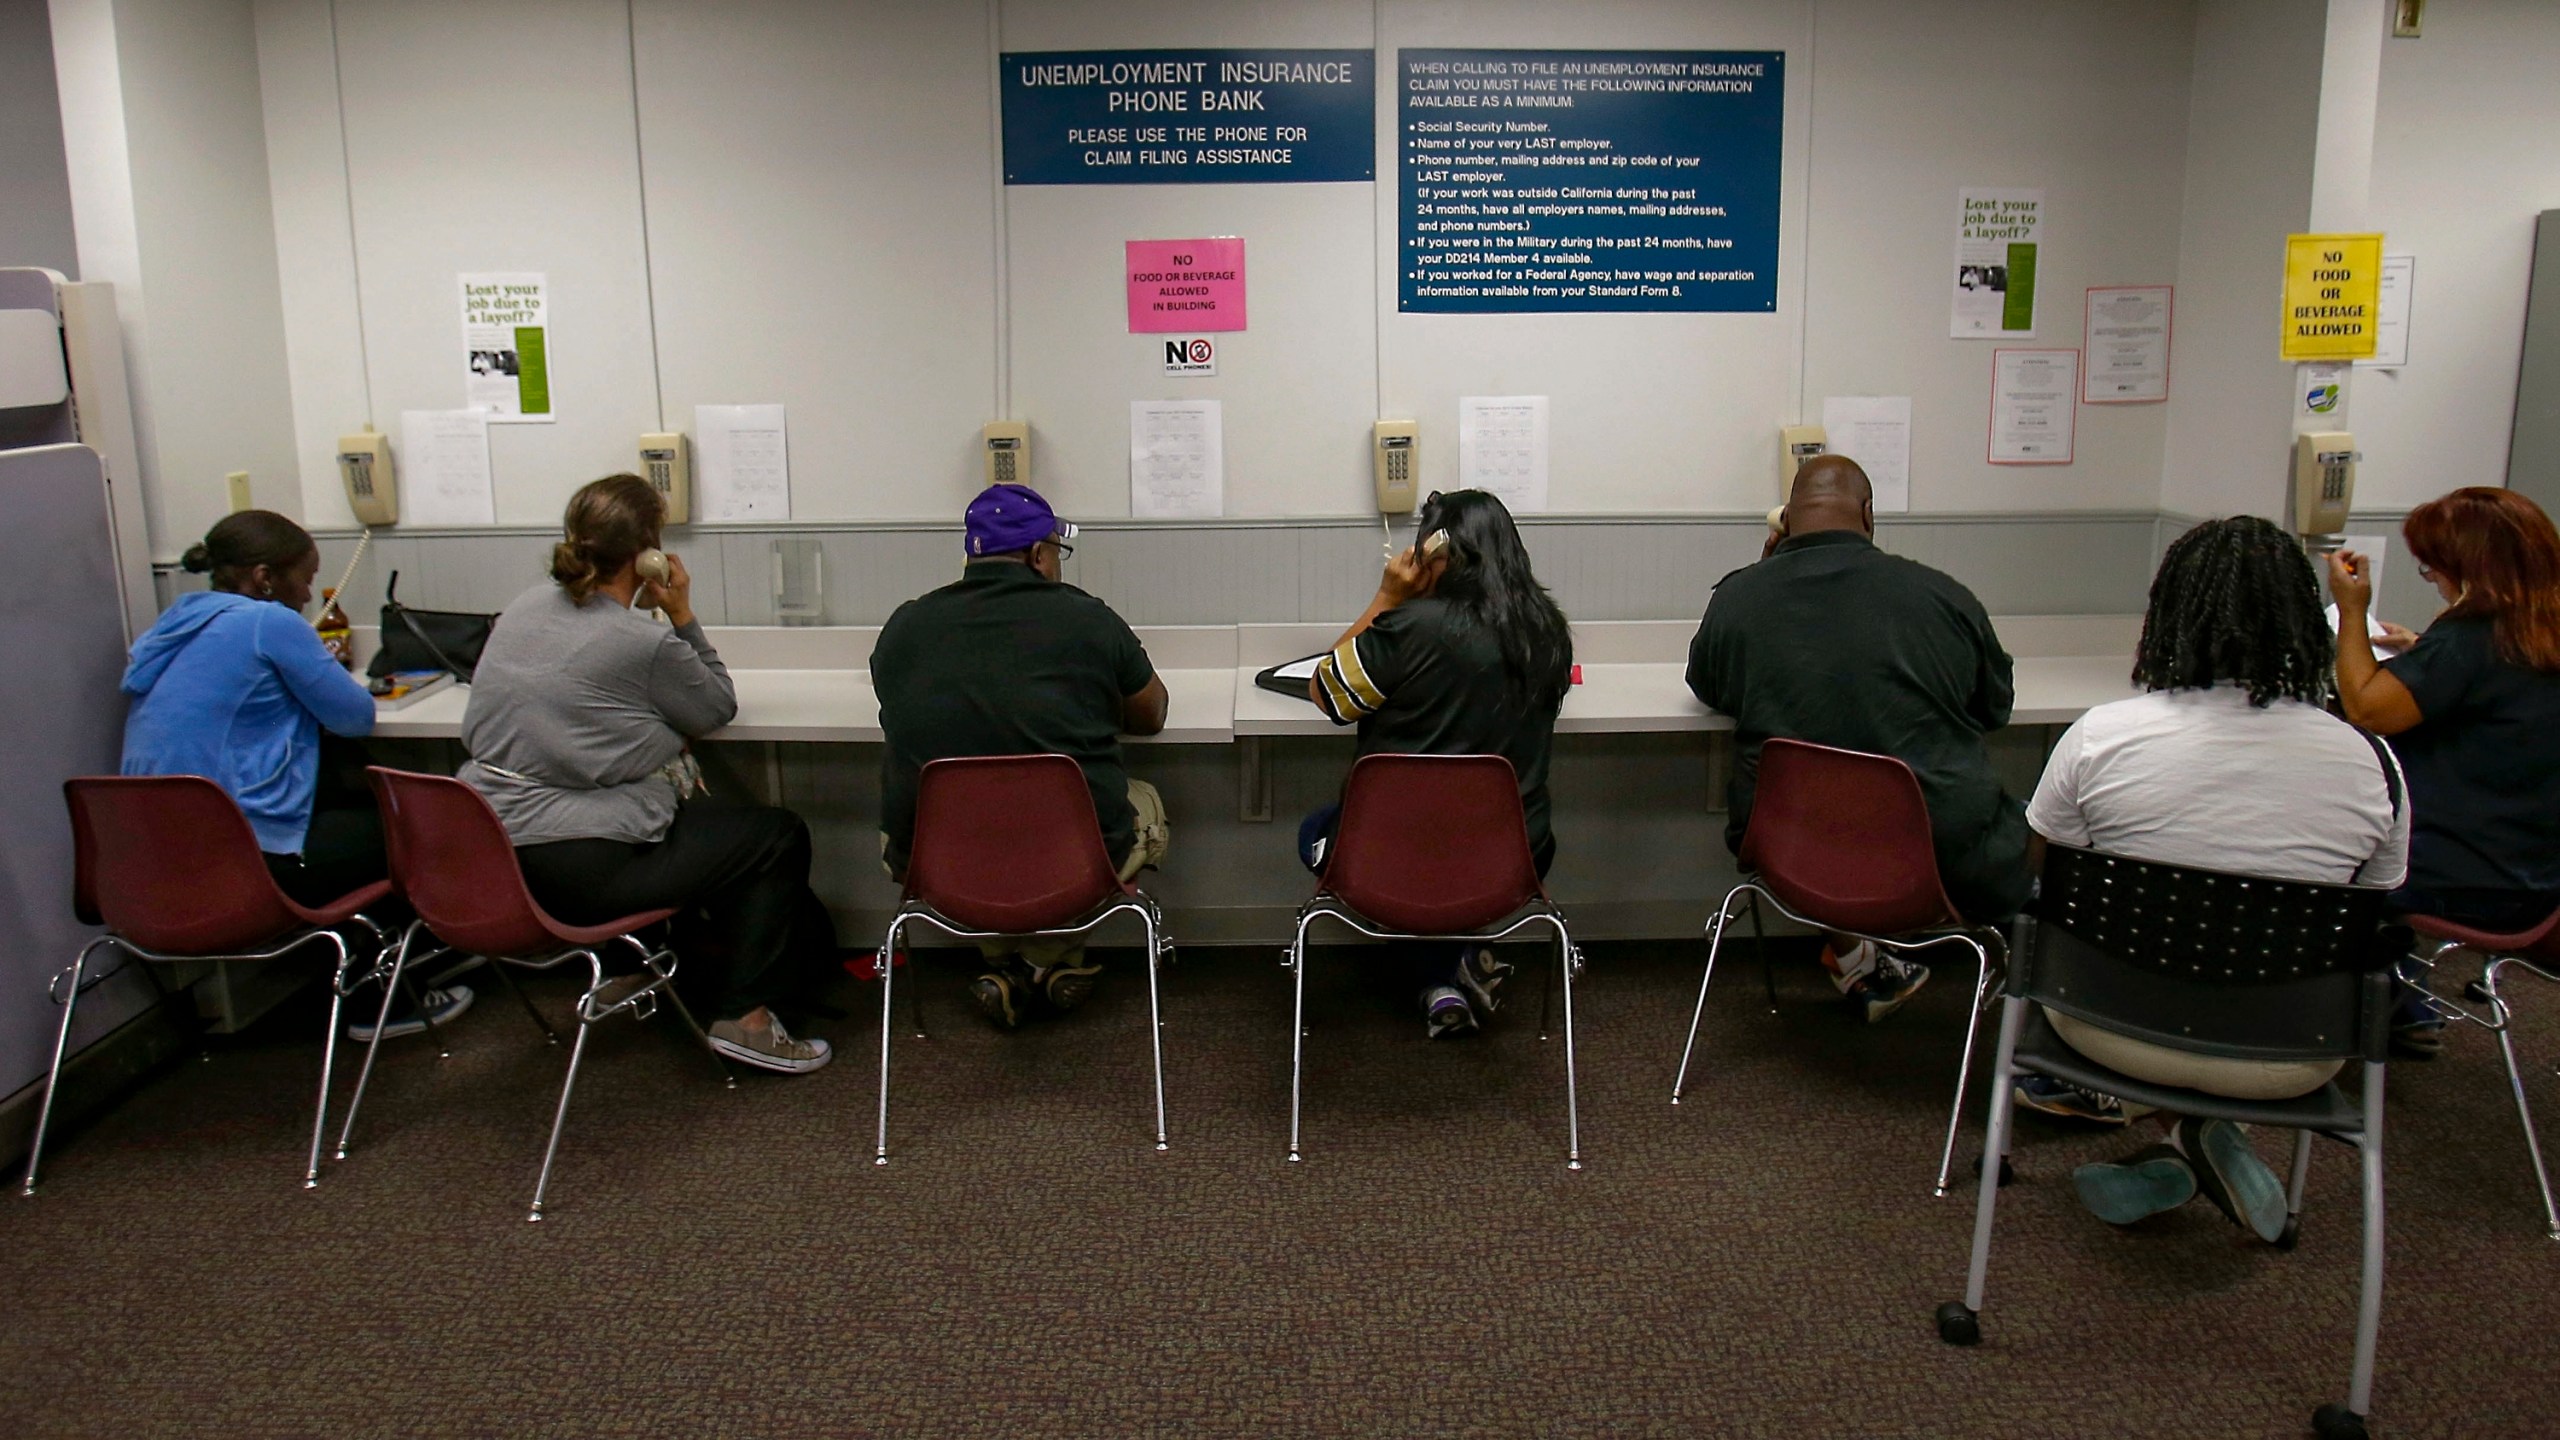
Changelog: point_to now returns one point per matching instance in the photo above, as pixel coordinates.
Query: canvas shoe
(445, 1005)
(771, 1048)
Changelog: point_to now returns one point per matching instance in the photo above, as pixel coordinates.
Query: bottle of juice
(335, 631)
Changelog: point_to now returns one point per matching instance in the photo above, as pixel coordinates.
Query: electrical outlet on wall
(238, 483)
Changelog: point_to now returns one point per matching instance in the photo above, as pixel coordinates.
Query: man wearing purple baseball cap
(1011, 660)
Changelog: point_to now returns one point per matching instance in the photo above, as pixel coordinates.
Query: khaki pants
(1154, 837)
(2213, 1074)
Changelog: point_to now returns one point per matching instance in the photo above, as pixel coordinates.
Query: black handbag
(414, 639)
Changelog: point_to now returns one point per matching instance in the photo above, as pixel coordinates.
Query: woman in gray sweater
(577, 726)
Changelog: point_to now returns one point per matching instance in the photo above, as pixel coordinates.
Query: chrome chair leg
(2369, 1301)
(701, 1037)
(1715, 942)
(888, 982)
(1964, 1067)
(1155, 1024)
(1567, 962)
(1297, 1032)
(61, 1042)
(2515, 1082)
(559, 1118)
(328, 1058)
(1959, 1322)
(364, 1075)
(2299, 1176)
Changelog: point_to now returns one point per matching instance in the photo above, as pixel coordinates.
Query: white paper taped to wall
(1177, 459)
(1875, 431)
(742, 463)
(1502, 448)
(444, 468)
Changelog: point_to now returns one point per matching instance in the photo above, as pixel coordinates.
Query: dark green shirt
(1421, 681)
(2483, 765)
(1004, 662)
(1834, 641)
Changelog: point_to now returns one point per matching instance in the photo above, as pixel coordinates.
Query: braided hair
(2235, 602)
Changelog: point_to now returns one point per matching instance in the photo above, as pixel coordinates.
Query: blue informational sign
(1189, 117)
(1556, 180)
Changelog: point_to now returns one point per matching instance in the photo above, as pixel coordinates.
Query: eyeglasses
(1065, 550)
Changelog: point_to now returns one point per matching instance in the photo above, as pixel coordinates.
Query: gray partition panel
(63, 715)
(2533, 454)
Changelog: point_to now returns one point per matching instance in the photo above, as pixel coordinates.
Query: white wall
(35, 223)
(2464, 158)
(2252, 129)
(162, 128)
(823, 228)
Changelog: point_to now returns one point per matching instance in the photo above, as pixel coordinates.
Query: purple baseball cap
(1006, 518)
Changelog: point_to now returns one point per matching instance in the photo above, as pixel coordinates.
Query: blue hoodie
(236, 690)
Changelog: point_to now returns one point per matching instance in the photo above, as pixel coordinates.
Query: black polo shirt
(1832, 640)
(2483, 766)
(1421, 680)
(1005, 662)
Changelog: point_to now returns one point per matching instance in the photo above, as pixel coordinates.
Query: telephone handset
(1777, 522)
(364, 467)
(1432, 547)
(653, 567)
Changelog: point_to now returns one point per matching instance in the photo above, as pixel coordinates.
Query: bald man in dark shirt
(1831, 640)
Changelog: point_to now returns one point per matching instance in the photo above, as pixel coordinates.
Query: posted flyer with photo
(506, 345)
(1997, 232)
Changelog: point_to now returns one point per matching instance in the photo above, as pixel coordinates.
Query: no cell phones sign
(1197, 355)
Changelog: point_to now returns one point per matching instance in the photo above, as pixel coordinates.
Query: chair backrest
(1841, 837)
(1432, 844)
(1008, 843)
(451, 857)
(2216, 963)
(169, 863)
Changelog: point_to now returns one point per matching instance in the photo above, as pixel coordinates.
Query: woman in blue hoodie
(234, 685)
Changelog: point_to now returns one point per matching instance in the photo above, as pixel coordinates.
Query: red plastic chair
(451, 858)
(1007, 846)
(1839, 840)
(1433, 847)
(169, 865)
(2537, 951)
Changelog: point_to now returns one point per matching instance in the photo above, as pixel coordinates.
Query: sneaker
(2232, 1176)
(1849, 970)
(444, 1006)
(1884, 990)
(1479, 975)
(2142, 1185)
(771, 1048)
(1446, 1012)
(1067, 984)
(2052, 1097)
(1003, 994)
(2419, 1039)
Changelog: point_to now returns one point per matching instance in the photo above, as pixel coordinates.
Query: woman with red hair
(2473, 710)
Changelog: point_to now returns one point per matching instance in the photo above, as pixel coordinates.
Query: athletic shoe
(444, 1006)
(1003, 994)
(771, 1048)
(1850, 970)
(2232, 1176)
(1479, 975)
(1885, 990)
(2137, 1187)
(1066, 985)
(2052, 1097)
(1446, 1012)
(2418, 1040)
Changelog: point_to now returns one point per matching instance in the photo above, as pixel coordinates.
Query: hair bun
(197, 560)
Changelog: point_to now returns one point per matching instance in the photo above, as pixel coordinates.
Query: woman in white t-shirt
(2230, 763)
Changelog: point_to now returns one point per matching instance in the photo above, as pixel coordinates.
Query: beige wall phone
(666, 465)
(1008, 444)
(2324, 481)
(1796, 445)
(364, 467)
(1391, 445)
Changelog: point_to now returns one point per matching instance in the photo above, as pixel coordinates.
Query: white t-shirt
(2203, 778)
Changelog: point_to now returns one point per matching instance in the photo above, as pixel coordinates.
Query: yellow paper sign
(2332, 296)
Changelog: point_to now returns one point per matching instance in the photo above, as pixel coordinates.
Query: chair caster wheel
(2337, 1422)
(2292, 1235)
(1957, 1325)
(2008, 1172)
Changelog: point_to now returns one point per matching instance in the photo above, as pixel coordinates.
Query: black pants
(341, 853)
(750, 932)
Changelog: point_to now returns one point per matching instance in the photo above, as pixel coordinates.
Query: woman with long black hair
(1461, 652)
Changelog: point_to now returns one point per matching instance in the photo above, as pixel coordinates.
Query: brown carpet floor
(1763, 1260)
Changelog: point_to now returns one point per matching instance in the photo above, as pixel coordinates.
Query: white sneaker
(445, 1004)
(1847, 971)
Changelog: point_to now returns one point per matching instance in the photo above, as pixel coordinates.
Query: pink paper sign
(1190, 285)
